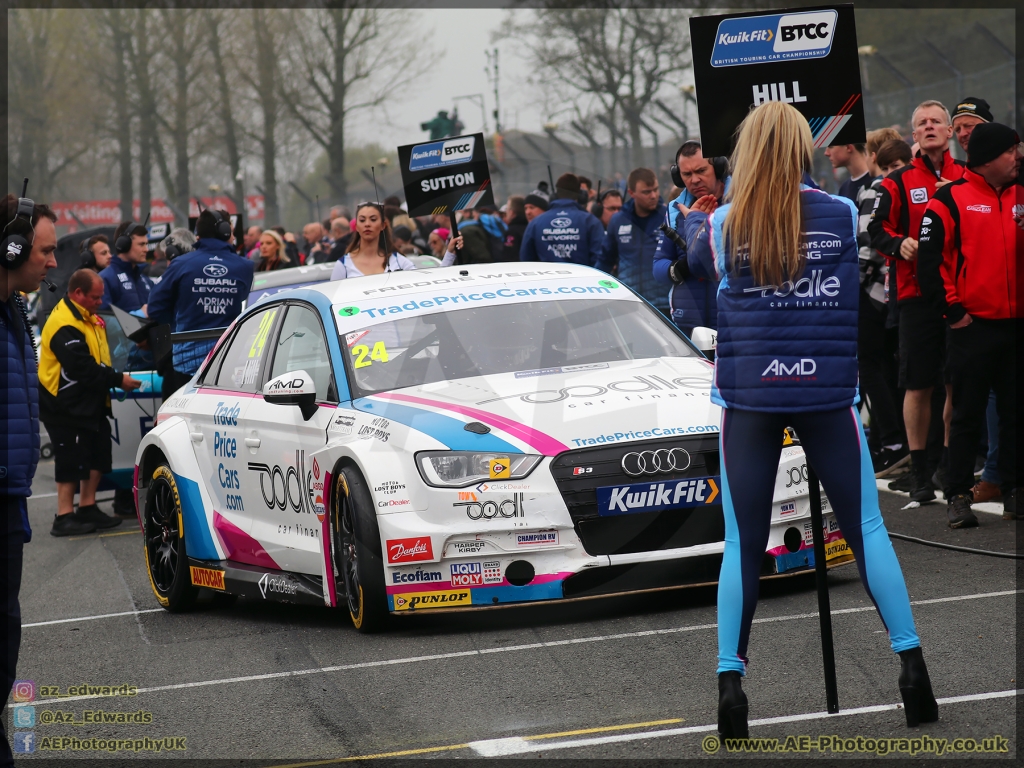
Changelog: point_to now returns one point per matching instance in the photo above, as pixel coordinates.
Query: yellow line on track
(403, 753)
(453, 747)
(604, 729)
(102, 535)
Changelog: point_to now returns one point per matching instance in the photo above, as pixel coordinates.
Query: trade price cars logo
(440, 153)
(655, 497)
(778, 37)
(410, 550)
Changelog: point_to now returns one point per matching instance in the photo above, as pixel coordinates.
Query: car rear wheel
(357, 551)
(166, 559)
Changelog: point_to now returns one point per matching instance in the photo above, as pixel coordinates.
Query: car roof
(401, 282)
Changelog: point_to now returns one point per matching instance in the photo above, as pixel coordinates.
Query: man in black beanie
(969, 256)
(968, 114)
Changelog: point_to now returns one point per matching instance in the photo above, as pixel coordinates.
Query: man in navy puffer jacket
(632, 238)
(690, 270)
(564, 233)
(19, 408)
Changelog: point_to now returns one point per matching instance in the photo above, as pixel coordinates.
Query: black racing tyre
(357, 551)
(166, 559)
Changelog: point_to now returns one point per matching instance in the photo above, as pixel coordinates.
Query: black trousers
(983, 357)
(11, 546)
(871, 356)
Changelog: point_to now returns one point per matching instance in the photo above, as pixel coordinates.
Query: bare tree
(344, 61)
(187, 108)
(224, 67)
(622, 56)
(143, 58)
(260, 72)
(44, 75)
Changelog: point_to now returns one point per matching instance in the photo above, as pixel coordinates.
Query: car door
(283, 483)
(217, 411)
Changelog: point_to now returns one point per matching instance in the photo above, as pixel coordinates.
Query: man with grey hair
(178, 242)
(895, 228)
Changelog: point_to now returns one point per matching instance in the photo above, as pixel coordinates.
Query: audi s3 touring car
(447, 439)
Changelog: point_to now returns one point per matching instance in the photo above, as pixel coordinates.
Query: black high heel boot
(732, 707)
(916, 689)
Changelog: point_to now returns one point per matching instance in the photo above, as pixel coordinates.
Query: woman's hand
(455, 244)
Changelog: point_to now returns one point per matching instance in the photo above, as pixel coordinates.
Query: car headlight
(457, 469)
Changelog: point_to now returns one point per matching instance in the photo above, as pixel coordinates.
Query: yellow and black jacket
(75, 373)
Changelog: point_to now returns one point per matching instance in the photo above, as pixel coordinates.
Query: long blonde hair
(773, 150)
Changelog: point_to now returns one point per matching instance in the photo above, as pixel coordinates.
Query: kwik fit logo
(655, 497)
(441, 153)
(777, 37)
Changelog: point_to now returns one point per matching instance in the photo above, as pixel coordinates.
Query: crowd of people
(937, 284)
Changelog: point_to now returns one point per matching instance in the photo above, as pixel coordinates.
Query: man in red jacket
(894, 229)
(970, 254)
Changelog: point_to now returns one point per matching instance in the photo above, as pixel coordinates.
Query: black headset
(223, 226)
(597, 209)
(123, 243)
(719, 164)
(18, 233)
(88, 257)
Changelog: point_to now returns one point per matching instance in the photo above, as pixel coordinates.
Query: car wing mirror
(705, 339)
(293, 388)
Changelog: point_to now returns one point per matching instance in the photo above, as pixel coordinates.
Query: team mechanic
(789, 361)
(201, 289)
(690, 270)
(565, 232)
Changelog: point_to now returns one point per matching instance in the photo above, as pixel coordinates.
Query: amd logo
(805, 367)
(293, 384)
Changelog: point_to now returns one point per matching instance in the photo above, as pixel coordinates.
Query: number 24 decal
(360, 352)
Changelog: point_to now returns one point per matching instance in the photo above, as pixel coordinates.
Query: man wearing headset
(125, 284)
(29, 244)
(201, 289)
(689, 269)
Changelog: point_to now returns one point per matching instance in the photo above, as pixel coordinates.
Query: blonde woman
(272, 253)
(786, 255)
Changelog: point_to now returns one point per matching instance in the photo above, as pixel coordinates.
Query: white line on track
(518, 745)
(503, 649)
(89, 618)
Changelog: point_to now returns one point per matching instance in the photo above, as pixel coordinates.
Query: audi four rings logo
(653, 462)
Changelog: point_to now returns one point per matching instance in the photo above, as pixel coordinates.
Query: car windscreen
(531, 338)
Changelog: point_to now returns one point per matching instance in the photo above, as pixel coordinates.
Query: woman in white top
(372, 250)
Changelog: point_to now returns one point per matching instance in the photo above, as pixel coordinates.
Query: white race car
(446, 439)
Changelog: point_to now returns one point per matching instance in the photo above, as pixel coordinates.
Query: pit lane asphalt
(623, 676)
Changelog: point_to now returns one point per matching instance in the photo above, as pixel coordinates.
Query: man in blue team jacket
(19, 409)
(690, 270)
(564, 233)
(632, 238)
(201, 289)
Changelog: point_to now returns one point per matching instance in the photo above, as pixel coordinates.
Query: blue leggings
(751, 443)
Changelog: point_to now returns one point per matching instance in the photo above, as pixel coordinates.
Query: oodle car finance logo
(441, 153)
(759, 39)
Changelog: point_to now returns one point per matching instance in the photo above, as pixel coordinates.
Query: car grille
(645, 531)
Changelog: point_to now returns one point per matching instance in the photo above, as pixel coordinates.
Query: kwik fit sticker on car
(806, 57)
(446, 175)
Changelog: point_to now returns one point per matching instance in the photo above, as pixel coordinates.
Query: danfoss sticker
(410, 550)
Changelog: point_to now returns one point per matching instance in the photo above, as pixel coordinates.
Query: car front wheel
(166, 559)
(357, 551)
